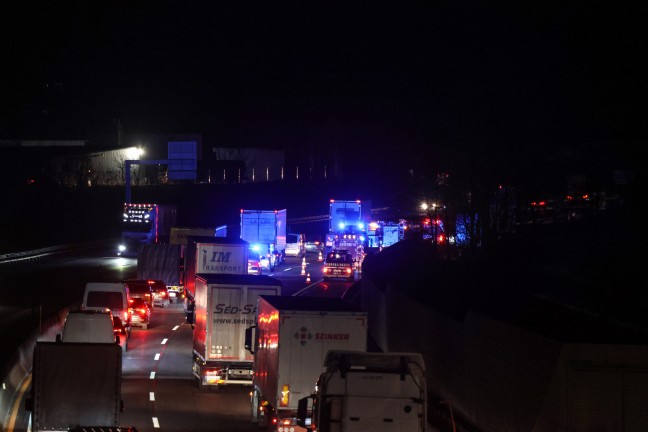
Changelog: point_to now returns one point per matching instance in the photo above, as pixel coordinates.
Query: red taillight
(163, 294)
(142, 311)
(348, 270)
(130, 300)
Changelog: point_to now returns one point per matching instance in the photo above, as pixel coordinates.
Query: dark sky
(491, 79)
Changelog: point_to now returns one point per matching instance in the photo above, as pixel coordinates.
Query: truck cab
(362, 391)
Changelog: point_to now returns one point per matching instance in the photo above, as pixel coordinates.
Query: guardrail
(15, 257)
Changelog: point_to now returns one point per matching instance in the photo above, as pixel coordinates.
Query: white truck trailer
(225, 306)
(291, 338)
(368, 392)
(265, 231)
(213, 255)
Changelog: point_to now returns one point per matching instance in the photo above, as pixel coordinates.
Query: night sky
(501, 83)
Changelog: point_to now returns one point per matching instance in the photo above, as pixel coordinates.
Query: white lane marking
(290, 268)
(152, 396)
(175, 328)
(157, 356)
(164, 341)
(156, 423)
(152, 375)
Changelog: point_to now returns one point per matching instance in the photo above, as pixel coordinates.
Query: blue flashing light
(361, 225)
(362, 238)
(256, 247)
(341, 225)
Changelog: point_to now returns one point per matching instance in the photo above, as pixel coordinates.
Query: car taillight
(348, 270)
(141, 310)
(163, 294)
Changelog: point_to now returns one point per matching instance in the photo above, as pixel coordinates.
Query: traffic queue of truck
(244, 332)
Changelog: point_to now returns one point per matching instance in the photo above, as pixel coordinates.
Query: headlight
(121, 248)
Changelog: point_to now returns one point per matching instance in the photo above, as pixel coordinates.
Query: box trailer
(225, 305)
(214, 255)
(290, 340)
(75, 384)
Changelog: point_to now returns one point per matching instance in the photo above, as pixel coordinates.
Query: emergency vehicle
(339, 264)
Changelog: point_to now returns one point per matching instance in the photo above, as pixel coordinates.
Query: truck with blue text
(225, 306)
(368, 392)
(290, 340)
(213, 255)
(265, 231)
(144, 224)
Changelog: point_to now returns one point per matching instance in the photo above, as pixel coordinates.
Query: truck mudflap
(222, 373)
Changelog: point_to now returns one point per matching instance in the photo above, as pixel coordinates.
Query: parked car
(140, 313)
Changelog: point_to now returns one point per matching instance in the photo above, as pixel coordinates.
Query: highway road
(158, 389)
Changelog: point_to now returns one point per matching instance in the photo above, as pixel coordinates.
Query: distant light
(341, 225)
(424, 206)
(361, 225)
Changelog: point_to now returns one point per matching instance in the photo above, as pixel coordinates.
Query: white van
(93, 327)
(88, 326)
(295, 245)
(114, 296)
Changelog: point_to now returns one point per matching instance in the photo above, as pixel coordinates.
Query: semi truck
(289, 341)
(213, 255)
(225, 306)
(75, 384)
(367, 392)
(345, 216)
(144, 224)
(162, 262)
(265, 231)
(165, 261)
(179, 235)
